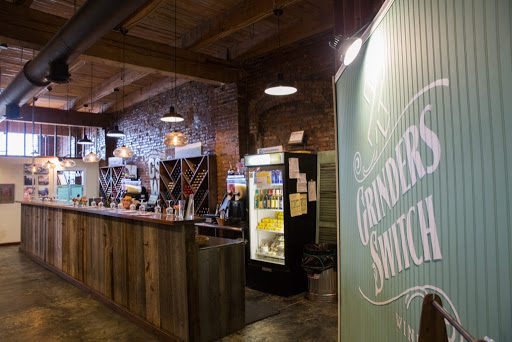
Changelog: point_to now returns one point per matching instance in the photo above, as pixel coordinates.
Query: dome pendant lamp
(85, 140)
(174, 138)
(280, 87)
(173, 115)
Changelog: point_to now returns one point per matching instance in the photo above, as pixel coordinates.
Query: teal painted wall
(424, 124)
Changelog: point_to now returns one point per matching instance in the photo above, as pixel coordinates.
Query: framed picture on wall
(28, 191)
(28, 180)
(43, 191)
(43, 180)
(40, 169)
(6, 193)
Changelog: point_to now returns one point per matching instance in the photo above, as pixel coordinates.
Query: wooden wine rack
(181, 177)
(110, 181)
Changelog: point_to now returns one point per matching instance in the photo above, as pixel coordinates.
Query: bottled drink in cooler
(256, 198)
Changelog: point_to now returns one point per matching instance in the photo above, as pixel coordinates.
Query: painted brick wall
(271, 119)
(211, 117)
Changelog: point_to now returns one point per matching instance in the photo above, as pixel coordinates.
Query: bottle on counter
(256, 198)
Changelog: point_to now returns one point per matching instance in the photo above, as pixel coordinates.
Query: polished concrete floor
(37, 305)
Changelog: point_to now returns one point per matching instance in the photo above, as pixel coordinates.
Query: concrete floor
(37, 305)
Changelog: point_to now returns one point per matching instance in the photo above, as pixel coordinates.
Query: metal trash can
(319, 262)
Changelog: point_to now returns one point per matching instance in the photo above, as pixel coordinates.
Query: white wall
(11, 172)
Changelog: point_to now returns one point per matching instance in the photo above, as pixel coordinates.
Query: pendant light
(92, 157)
(68, 162)
(85, 140)
(279, 87)
(50, 165)
(172, 115)
(175, 139)
(116, 133)
(33, 167)
(123, 152)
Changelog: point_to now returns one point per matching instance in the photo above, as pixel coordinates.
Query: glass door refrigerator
(276, 239)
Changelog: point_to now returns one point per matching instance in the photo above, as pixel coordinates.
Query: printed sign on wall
(424, 121)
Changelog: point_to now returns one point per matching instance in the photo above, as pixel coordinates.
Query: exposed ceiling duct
(91, 22)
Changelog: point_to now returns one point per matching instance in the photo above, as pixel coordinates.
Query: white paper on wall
(312, 191)
(293, 165)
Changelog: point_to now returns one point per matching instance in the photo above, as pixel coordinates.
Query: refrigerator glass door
(266, 219)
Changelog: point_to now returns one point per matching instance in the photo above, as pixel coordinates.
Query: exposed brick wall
(235, 119)
(271, 119)
(211, 117)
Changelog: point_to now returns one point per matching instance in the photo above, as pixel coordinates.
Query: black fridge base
(273, 280)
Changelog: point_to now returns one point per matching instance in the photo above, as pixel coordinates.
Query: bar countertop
(119, 213)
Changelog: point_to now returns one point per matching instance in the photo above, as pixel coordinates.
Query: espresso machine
(233, 206)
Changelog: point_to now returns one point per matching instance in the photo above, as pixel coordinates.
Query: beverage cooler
(276, 239)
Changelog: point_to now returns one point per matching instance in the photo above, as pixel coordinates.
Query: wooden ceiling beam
(143, 94)
(58, 116)
(34, 29)
(107, 86)
(311, 25)
(24, 3)
(242, 15)
(148, 8)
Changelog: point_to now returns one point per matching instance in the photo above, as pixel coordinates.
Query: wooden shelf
(190, 176)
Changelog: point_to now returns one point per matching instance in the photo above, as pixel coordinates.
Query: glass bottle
(256, 198)
(265, 200)
(101, 205)
(93, 203)
(281, 205)
(142, 206)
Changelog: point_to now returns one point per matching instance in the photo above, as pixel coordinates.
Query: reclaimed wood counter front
(145, 267)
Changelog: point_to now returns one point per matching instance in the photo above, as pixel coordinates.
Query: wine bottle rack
(179, 178)
(110, 181)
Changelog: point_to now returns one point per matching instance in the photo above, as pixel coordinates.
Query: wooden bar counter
(145, 267)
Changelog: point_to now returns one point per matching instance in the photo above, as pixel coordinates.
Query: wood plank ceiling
(213, 38)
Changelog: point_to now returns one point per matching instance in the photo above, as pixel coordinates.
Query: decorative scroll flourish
(420, 292)
(360, 171)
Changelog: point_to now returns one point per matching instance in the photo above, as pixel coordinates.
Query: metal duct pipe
(91, 22)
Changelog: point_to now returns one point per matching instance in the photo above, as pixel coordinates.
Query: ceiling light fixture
(92, 157)
(85, 140)
(173, 115)
(116, 133)
(280, 87)
(123, 152)
(50, 165)
(68, 162)
(175, 139)
(351, 48)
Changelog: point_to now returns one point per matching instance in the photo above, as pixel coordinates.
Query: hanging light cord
(90, 109)
(124, 65)
(33, 124)
(175, 43)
